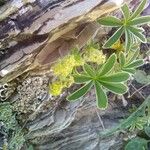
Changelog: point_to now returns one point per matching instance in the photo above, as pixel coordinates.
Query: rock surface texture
(33, 35)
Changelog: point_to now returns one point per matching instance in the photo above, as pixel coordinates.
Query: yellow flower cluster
(57, 86)
(68, 81)
(64, 67)
(118, 46)
(62, 70)
(94, 55)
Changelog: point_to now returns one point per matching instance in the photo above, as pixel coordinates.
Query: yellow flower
(64, 67)
(56, 88)
(69, 81)
(94, 55)
(118, 46)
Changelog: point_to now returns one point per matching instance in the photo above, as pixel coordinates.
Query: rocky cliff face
(33, 35)
(29, 27)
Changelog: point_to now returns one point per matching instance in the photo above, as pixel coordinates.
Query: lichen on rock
(30, 93)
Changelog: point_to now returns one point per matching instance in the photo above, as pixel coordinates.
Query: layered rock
(33, 35)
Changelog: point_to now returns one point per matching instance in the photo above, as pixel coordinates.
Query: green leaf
(117, 77)
(75, 71)
(138, 10)
(133, 57)
(141, 77)
(135, 47)
(126, 11)
(122, 59)
(101, 98)
(129, 70)
(135, 32)
(137, 144)
(107, 67)
(139, 126)
(134, 38)
(135, 64)
(89, 70)
(114, 38)
(139, 29)
(148, 53)
(117, 88)
(147, 130)
(30, 148)
(140, 20)
(110, 21)
(128, 40)
(81, 78)
(80, 92)
(148, 40)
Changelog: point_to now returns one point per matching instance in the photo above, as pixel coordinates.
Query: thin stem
(100, 119)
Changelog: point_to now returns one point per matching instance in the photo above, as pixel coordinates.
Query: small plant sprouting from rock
(140, 120)
(94, 71)
(129, 24)
(64, 68)
(91, 68)
(101, 79)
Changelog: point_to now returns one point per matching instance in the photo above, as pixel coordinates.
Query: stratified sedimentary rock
(29, 27)
(33, 35)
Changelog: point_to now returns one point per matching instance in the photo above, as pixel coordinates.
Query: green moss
(12, 129)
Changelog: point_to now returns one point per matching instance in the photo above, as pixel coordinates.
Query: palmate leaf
(122, 59)
(129, 70)
(135, 64)
(139, 29)
(126, 11)
(135, 47)
(117, 77)
(110, 21)
(117, 88)
(139, 35)
(113, 39)
(89, 70)
(81, 78)
(133, 35)
(133, 57)
(132, 63)
(139, 21)
(135, 39)
(128, 39)
(101, 98)
(107, 67)
(138, 10)
(80, 92)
